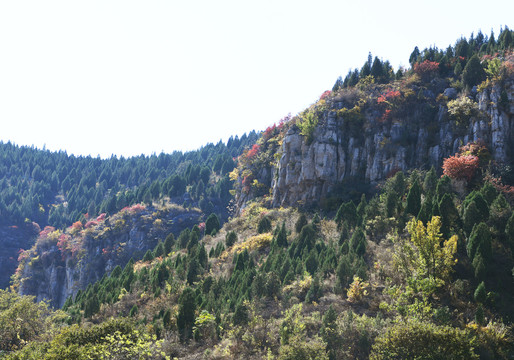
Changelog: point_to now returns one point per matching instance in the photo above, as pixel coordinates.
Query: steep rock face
(50, 274)
(12, 239)
(307, 173)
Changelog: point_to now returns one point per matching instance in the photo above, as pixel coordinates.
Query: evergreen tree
(414, 199)
(264, 225)
(168, 243)
(300, 223)
(230, 238)
(480, 293)
(470, 218)
(212, 224)
(315, 291)
(281, 237)
(473, 73)
(358, 242)
(479, 242)
(159, 250)
(186, 312)
(241, 316)
(449, 214)
(509, 231)
(148, 256)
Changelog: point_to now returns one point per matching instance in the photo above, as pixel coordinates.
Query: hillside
(41, 188)
(376, 224)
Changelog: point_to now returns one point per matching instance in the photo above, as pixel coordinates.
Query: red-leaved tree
(461, 167)
(427, 69)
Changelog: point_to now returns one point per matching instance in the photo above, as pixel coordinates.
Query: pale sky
(129, 77)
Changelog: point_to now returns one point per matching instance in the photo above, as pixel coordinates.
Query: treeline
(57, 189)
(449, 62)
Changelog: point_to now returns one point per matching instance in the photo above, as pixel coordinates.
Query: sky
(130, 77)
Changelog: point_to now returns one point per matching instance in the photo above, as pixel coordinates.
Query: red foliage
(507, 190)
(386, 115)
(77, 225)
(269, 132)
(101, 217)
(91, 223)
(325, 95)
(478, 149)
(133, 209)
(461, 167)
(22, 255)
(426, 69)
(63, 244)
(47, 230)
(253, 151)
(201, 226)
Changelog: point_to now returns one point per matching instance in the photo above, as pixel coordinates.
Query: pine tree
(358, 242)
(264, 225)
(230, 238)
(473, 73)
(168, 243)
(470, 218)
(186, 313)
(479, 242)
(159, 250)
(414, 199)
(300, 223)
(281, 237)
(449, 214)
(148, 256)
(212, 224)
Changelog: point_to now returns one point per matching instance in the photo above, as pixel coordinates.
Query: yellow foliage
(233, 175)
(357, 290)
(256, 242)
(433, 261)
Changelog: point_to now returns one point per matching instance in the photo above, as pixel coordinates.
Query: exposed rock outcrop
(51, 273)
(421, 138)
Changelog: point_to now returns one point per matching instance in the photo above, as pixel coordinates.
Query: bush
(423, 340)
(264, 225)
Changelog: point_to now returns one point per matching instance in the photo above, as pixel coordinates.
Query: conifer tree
(470, 218)
(300, 223)
(168, 243)
(148, 256)
(509, 231)
(281, 237)
(473, 73)
(264, 225)
(230, 238)
(449, 214)
(159, 250)
(186, 313)
(414, 199)
(212, 224)
(480, 293)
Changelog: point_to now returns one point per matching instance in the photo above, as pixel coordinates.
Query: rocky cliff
(418, 133)
(62, 262)
(14, 239)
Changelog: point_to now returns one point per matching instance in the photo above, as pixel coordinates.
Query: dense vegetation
(58, 189)
(421, 268)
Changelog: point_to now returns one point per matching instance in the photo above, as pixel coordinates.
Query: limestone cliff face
(54, 271)
(419, 138)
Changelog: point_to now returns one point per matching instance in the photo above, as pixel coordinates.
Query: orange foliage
(461, 167)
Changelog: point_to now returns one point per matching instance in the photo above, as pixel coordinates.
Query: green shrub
(423, 341)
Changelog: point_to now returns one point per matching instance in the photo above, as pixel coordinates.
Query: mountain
(376, 224)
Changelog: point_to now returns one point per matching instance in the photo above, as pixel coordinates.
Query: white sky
(130, 77)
